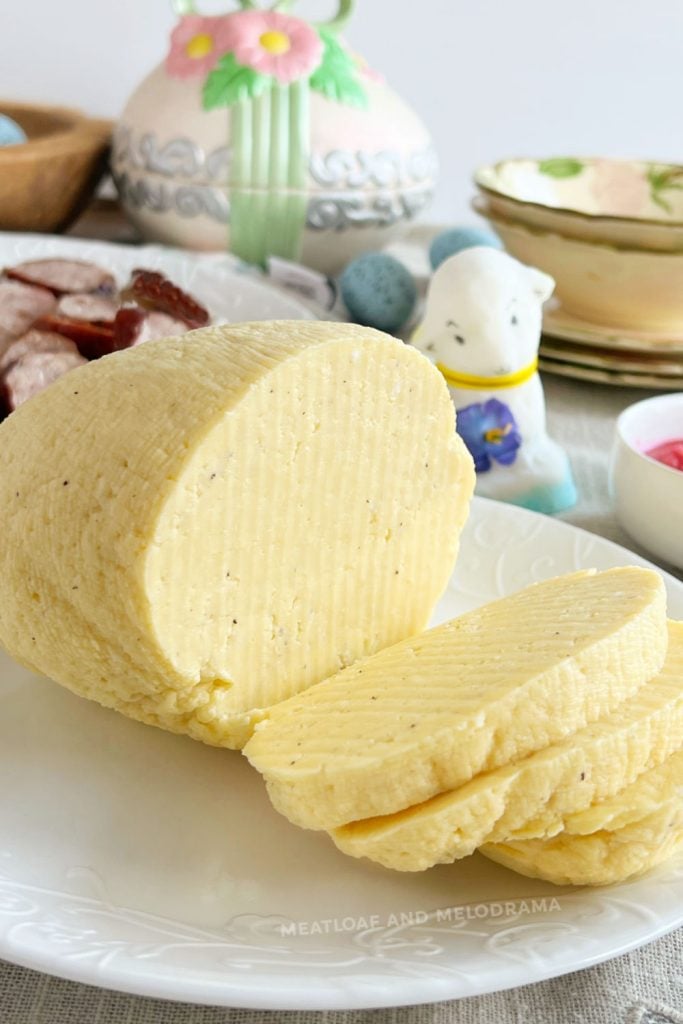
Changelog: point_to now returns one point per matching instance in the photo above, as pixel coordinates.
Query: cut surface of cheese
(199, 527)
(534, 796)
(650, 792)
(643, 829)
(598, 859)
(487, 688)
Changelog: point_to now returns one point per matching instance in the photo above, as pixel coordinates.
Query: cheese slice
(651, 792)
(532, 797)
(642, 827)
(199, 527)
(428, 714)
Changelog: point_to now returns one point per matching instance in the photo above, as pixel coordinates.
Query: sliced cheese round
(647, 834)
(476, 693)
(534, 796)
(650, 792)
(199, 527)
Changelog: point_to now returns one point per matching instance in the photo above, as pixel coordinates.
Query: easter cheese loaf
(630, 833)
(197, 528)
(474, 694)
(533, 796)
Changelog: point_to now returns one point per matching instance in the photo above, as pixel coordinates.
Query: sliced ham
(35, 341)
(96, 309)
(34, 372)
(20, 306)
(64, 277)
(134, 326)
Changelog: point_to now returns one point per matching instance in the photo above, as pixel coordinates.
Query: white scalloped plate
(141, 861)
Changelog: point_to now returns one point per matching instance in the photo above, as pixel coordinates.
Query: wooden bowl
(46, 182)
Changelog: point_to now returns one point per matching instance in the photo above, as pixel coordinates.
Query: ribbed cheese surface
(643, 828)
(199, 527)
(533, 797)
(476, 693)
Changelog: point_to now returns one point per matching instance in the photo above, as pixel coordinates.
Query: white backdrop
(491, 78)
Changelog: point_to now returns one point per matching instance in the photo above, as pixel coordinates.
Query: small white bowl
(647, 495)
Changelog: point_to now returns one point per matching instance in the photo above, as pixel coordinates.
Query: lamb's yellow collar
(471, 382)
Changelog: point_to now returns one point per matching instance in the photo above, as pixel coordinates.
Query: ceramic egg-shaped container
(368, 171)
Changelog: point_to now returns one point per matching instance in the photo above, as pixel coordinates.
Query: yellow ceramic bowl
(598, 282)
(635, 204)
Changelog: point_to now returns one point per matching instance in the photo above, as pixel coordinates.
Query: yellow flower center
(199, 46)
(275, 42)
(496, 434)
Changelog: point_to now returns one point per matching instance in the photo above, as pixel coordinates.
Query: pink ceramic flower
(620, 188)
(196, 45)
(274, 44)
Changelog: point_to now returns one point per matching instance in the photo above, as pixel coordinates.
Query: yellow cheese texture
(649, 793)
(200, 527)
(533, 797)
(630, 833)
(486, 689)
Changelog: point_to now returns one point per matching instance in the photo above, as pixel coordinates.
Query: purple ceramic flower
(490, 432)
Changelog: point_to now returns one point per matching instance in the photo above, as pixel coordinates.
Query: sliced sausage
(64, 277)
(134, 326)
(93, 340)
(35, 341)
(96, 309)
(20, 306)
(154, 291)
(34, 372)
(160, 325)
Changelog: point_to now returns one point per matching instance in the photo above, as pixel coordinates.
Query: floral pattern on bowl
(597, 187)
(628, 204)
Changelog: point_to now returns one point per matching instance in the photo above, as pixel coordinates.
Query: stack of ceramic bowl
(611, 234)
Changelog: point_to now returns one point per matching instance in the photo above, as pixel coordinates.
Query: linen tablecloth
(643, 987)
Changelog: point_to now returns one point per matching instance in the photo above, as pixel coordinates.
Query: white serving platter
(145, 862)
(230, 290)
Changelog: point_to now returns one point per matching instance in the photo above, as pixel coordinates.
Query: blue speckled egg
(11, 134)
(378, 291)
(456, 239)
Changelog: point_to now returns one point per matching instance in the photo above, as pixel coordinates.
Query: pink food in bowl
(669, 453)
(647, 491)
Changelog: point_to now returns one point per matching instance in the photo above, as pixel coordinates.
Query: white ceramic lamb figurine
(482, 327)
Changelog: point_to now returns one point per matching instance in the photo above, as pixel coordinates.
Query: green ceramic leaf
(561, 167)
(661, 202)
(662, 179)
(342, 90)
(230, 82)
(336, 75)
